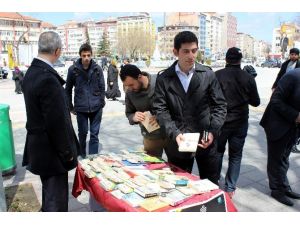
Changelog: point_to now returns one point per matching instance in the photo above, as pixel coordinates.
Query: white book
(202, 186)
(190, 142)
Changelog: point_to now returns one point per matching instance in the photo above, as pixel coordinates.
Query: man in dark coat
(87, 78)
(288, 65)
(280, 121)
(188, 99)
(51, 145)
(239, 89)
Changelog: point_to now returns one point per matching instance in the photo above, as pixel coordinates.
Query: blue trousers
(82, 120)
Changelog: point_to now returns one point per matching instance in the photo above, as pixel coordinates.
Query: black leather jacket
(203, 107)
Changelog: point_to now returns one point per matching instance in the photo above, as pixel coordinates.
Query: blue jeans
(82, 121)
(236, 139)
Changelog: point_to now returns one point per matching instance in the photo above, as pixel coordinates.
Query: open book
(146, 123)
(190, 142)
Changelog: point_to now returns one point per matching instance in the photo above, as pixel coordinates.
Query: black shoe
(280, 197)
(292, 194)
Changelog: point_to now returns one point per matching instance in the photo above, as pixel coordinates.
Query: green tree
(199, 56)
(104, 45)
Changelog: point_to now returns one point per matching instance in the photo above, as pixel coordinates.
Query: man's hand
(138, 117)
(204, 144)
(153, 121)
(179, 139)
(111, 83)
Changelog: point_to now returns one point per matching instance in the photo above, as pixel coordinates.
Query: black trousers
(278, 162)
(55, 193)
(207, 162)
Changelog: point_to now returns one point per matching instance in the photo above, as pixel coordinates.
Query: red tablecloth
(113, 204)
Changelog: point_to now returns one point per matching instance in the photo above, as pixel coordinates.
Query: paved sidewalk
(252, 195)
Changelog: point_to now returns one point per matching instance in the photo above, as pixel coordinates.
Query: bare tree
(136, 43)
(22, 37)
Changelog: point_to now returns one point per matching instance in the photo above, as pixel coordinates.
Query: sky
(259, 25)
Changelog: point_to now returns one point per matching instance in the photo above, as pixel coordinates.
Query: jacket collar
(176, 85)
(47, 68)
(233, 66)
(92, 65)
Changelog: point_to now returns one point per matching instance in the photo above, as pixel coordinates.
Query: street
(252, 194)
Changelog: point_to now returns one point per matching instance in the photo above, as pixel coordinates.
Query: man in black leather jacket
(188, 99)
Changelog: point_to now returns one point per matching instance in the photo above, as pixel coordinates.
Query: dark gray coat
(51, 141)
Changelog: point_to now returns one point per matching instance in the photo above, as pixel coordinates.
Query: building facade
(19, 36)
(289, 30)
(214, 34)
(166, 37)
(246, 43)
(136, 36)
(229, 31)
(202, 34)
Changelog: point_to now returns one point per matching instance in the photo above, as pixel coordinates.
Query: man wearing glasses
(188, 99)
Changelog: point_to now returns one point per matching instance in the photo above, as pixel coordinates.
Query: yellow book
(154, 203)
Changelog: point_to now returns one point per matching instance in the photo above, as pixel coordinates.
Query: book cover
(154, 203)
(202, 186)
(133, 199)
(146, 123)
(190, 142)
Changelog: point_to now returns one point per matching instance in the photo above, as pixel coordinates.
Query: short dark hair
(184, 37)
(85, 48)
(295, 51)
(133, 71)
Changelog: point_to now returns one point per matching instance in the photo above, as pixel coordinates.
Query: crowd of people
(187, 97)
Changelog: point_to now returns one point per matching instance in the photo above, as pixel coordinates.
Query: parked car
(61, 68)
(270, 63)
(3, 73)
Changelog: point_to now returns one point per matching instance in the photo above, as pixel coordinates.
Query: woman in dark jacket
(18, 78)
(112, 82)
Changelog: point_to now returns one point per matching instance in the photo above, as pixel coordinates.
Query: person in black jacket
(188, 99)
(51, 145)
(288, 65)
(112, 81)
(87, 77)
(280, 121)
(239, 89)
